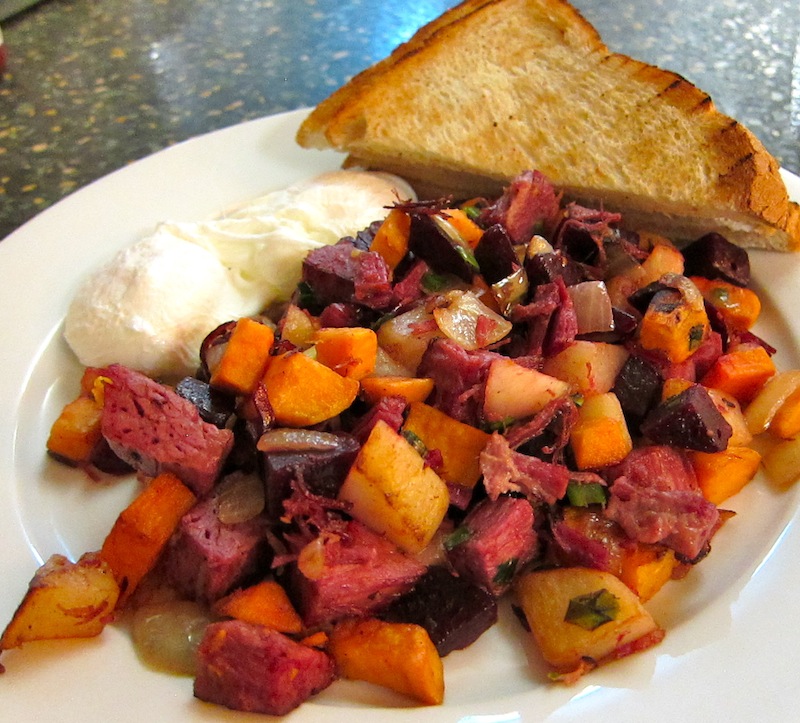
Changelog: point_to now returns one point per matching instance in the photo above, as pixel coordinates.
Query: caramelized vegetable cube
(64, 600)
(399, 656)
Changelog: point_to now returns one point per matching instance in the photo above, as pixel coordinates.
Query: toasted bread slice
(495, 87)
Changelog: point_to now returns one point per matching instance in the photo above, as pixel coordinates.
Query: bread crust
(495, 87)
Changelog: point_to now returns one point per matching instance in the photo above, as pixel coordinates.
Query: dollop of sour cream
(153, 303)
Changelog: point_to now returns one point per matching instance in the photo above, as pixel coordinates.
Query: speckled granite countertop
(91, 86)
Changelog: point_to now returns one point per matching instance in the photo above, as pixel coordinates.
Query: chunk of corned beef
(563, 326)
(536, 316)
(254, 669)
(453, 610)
(505, 470)
(155, 430)
(586, 538)
(344, 274)
(352, 573)
(655, 498)
(459, 378)
(408, 289)
(682, 520)
(529, 205)
(206, 558)
(547, 432)
(388, 409)
(658, 466)
(495, 540)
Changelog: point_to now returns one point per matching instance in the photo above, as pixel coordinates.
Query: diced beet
(454, 611)
(714, 257)
(214, 406)
(495, 540)
(495, 254)
(156, 430)
(638, 387)
(356, 572)
(105, 459)
(689, 420)
(547, 267)
(254, 669)
(443, 254)
(206, 558)
(320, 459)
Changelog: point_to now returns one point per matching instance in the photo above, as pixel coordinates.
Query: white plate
(732, 629)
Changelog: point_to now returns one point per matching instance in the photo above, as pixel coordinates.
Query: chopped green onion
(415, 441)
(434, 282)
(505, 572)
(457, 537)
(592, 610)
(583, 494)
(306, 294)
(467, 255)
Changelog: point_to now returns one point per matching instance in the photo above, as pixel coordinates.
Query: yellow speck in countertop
(28, 187)
(39, 147)
(119, 53)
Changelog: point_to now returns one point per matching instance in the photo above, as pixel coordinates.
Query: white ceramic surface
(732, 629)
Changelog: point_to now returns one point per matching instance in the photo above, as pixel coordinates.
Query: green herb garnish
(505, 572)
(592, 610)
(457, 537)
(583, 494)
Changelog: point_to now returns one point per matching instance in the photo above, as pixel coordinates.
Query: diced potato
(76, 432)
(605, 621)
(393, 492)
(663, 259)
(731, 411)
(459, 444)
(761, 410)
(782, 462)
(64, 600)
(398, 656)
(513, 391)
(590, 367)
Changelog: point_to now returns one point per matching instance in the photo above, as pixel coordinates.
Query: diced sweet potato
(741, 372)
(723, 474)
(647, 569)
(391, 239)
(142, 530)
(64, 600)
(303, 392)
(412, 389)
(577, 614)
(738, 305)
(349, 351)
(600, 436)
(265, 603)
(673, 325)
(245, 358)
(399, 656)
(459, 444)
(393, 492)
